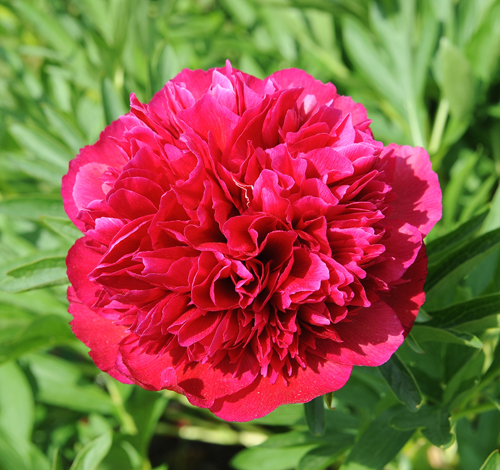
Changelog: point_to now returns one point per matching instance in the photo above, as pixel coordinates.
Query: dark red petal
(369, 338)
(102, 336)
(262, 397)
(409, 172)
(80, 261)
(407, 296)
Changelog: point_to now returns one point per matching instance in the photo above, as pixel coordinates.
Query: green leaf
(425, 334)
(242, 11)
(47, 26)
(467, 311)
(20, 454)
(33, 207)
(56, 461)
(59, 384)
(494, 367)
(434, 420)
(146, 408)
(16, 402)
(41, 273)
(437, 248)
(378, 445)
(367, 59)
(456, 79)
(269, 459)
(93, 453)
(43, 332)
(401, 382)
(492, 462)
(12, 458)
(323, 456)
(62, 226)
(67, 131)
(285, 415)
(113, 104)
(292, 439)
(315, 416)
(461, 260)
(42, 145)
(464, 380)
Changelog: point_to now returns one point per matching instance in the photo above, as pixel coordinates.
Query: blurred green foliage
(428, 73)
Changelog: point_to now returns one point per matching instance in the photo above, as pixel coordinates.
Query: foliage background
(427, 70)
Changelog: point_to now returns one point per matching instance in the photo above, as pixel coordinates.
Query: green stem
(416, 132)
(483, 408)
(439, 125)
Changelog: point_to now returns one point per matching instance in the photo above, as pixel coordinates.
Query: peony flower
(246, 242)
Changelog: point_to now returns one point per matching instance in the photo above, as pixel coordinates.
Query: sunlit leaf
(93, 453)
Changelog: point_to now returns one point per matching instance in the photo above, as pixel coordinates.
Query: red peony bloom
(246, 242)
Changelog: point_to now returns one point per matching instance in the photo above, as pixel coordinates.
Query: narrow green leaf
(62, 226)
(56, 461)
(43, 332)
(492, 462)
(59, 383)
(425, 334)
(361, 49)
(13, 453)
(464, 379)
(41, 273)
(33, 207)
(461, 260)
(113, 104)
(494, 367)
(269, 459)
(242, 11)
(401, 382)
(323, 456)
(285, 415)
(146, 408)
(493, 220)
(413, 343)
(67, 131)
(47, 26)
(378, 445)
(315, 416)
(17, 413)
(93, 453)
(292, 439)
(436, 248)
(457, 80)
(467, 311)
(42, 145)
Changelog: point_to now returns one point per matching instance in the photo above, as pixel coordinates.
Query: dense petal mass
(246, 240)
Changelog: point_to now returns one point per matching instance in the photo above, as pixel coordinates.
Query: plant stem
(439, 125)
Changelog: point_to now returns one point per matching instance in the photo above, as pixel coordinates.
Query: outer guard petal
(416, 186)
(262, 397)
(407, 296)
(104, 151)
(80, 262)
(370, 337)
(99, 334)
